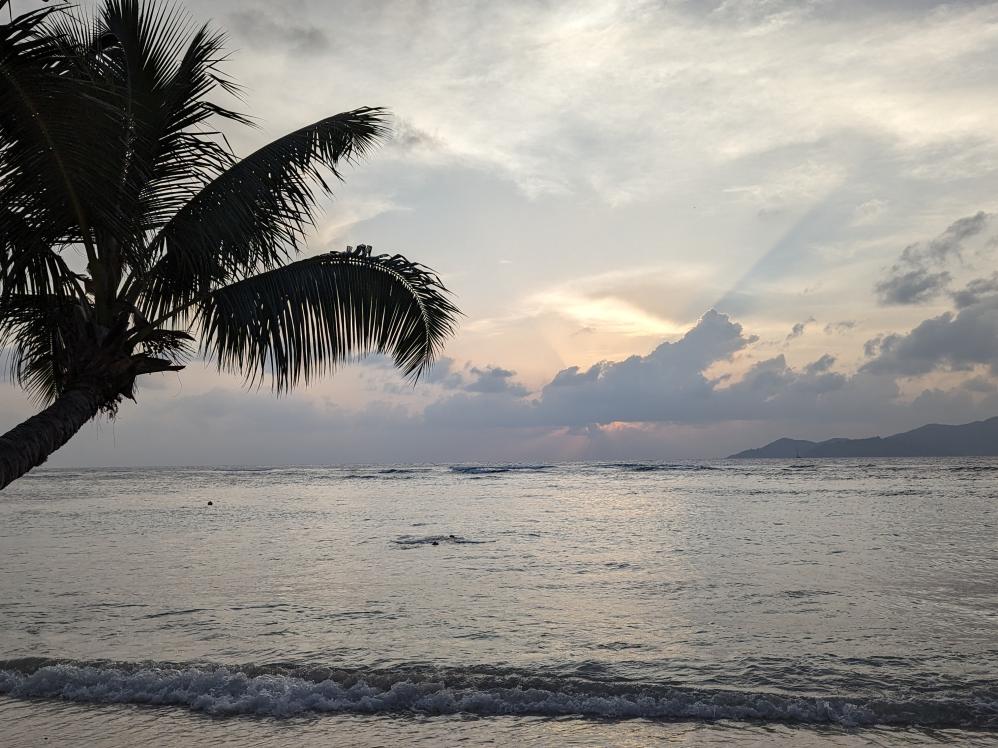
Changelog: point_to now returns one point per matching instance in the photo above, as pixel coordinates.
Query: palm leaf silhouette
(110, 151)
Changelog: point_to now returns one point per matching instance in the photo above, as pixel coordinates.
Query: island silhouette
(976, 439)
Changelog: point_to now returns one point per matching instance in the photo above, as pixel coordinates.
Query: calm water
(769, 602)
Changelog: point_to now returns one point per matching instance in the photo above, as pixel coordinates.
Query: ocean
(769, 602)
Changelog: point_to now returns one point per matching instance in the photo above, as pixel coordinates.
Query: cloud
(980, 384)
(844, 326)
(956, 342)
(975, 291)
(869, 211)
(687, 89)
(912, 287)
(671, 385)
(265, 30)
(664, 403)
(917, 276)
(408, 138)
(690, 120)
(821, 365)
(443, 373)
(667, 383)
(877, 343)
(495, 380)
(798, 329)
(489, 380)
(949, 243)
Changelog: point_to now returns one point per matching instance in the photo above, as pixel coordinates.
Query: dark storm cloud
(955, 342)
(918, 275)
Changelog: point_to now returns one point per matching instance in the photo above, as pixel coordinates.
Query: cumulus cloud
(950, 341)
(490, 380)
(495, 380)
(672, 385)
(667, 383)
(917, 276)
(444, 373)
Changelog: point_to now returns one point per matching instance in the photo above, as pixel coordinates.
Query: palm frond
(29, 262)
(254, 215)
(300, 320)
(188, 155)
(175, 345)
(165, 70)
(39, 333)
(59, 137)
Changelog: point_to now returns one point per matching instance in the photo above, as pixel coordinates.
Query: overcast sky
(677, 229)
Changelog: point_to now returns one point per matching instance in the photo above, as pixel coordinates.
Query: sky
(675, 229)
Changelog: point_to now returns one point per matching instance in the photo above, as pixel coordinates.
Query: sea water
(764, 602)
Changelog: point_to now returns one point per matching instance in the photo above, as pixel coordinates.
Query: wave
(493, 469)
(654, 467)
(382, 474)
(287, 691)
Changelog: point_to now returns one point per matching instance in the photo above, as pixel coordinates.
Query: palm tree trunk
(28, 445)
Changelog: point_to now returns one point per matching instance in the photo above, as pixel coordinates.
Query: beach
(796, 602)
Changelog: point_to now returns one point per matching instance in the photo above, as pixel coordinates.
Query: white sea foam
(224, 691)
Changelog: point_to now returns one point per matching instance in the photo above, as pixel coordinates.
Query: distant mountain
(780, 448)
(977, 439)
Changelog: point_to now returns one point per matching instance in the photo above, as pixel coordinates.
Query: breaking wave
(494, 469)
(286, 691)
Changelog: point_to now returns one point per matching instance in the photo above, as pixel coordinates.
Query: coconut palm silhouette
(131, 237)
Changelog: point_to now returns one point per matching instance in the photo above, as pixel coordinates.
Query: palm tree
(131, 238)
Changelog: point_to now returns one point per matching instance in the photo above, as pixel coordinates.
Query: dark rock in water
(211, 503)
(435, 543)
(452, 536)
